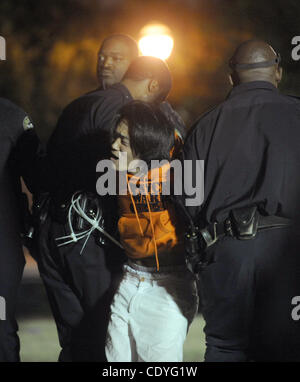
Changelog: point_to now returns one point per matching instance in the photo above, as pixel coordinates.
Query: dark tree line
(52, 46)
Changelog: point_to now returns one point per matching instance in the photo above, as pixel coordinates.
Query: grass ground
(39, 341)
(37, 330)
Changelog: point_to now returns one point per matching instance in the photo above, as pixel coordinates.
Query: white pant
(150, 314)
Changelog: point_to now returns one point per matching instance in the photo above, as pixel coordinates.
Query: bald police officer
(251, 147)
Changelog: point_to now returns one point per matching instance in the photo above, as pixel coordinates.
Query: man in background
(115, 55)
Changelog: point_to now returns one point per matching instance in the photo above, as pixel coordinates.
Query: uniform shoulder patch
(27, 124)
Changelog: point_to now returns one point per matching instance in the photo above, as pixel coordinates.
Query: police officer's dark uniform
(19, 146)
(251, 147)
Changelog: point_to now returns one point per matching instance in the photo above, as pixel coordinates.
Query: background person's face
(120, 146)
(113, 61)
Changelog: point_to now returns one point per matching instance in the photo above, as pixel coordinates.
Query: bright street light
(156, 40)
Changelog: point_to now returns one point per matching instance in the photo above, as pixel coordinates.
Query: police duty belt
(243, 224)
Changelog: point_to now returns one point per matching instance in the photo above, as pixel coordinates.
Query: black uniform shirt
(251, 147)
(81, 139)
(18, 157)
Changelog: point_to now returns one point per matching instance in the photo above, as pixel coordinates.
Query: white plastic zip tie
(85, 234)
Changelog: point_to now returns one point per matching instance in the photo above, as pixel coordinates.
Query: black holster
(243, 222)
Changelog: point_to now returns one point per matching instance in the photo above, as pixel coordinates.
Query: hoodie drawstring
(134, 207)
(153, 234)
(150, 216)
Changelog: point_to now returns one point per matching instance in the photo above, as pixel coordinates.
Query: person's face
(114, 58)
(120, 146)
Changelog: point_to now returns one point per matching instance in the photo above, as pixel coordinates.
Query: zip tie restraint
(74, 237)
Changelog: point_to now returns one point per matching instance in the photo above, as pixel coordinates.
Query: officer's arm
(30, 157)
(27, 152)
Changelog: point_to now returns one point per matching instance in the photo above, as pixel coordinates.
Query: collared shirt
(81, 139)
(251, 147)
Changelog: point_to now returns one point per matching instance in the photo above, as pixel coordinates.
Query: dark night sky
(52, 46)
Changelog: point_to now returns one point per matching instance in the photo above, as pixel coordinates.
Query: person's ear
(153, 86)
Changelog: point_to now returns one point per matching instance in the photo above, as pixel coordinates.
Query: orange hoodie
(147, 220)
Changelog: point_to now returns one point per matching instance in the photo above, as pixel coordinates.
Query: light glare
(156, 41)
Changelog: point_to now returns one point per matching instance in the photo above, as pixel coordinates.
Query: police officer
(114, 57)
(78, 279)
(251, 147)
(19, 146)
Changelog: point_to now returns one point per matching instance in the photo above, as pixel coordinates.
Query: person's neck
(130, 86)
(265, 79)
